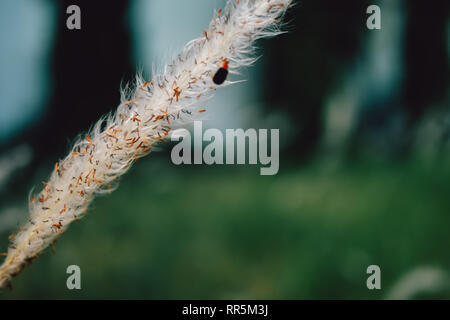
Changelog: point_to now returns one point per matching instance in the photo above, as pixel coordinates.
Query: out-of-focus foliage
(172, 232)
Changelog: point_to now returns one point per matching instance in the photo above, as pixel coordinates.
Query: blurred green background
(227, 233)
(364, 166)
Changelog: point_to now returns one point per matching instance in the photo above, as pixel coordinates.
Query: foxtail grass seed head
(145, 116)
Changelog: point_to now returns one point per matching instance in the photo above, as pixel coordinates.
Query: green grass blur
(226, 232)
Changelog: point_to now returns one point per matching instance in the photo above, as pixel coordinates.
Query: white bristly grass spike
(145, 116)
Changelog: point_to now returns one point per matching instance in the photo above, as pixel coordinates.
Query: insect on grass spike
(221, 75)
(111, 152)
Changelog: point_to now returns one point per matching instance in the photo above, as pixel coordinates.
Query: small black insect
(221, 75)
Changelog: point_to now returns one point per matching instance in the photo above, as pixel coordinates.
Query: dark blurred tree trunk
(304, 64)
(426, 56)
(88, 66)
(387, 125)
